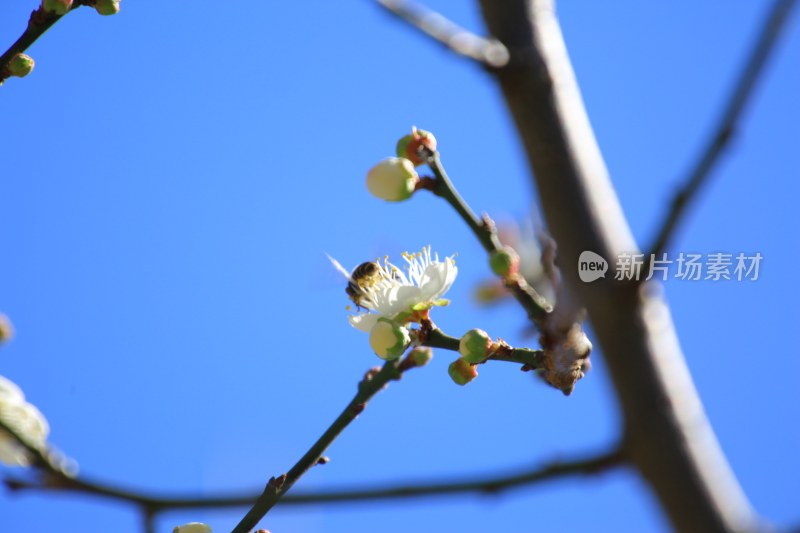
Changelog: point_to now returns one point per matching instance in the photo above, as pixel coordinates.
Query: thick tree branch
(667, 435)
(487, 52)
(726, 128)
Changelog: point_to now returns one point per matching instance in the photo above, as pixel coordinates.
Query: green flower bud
(504, 262)
(421, 355)
(408, 146)
(393, 179)
(389, 339)
(59, 7)
(461, 372)
(20, 65)
(475, 346)
(107, 7)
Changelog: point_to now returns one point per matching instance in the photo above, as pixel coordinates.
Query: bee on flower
(386, 294)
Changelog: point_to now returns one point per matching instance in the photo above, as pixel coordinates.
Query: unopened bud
(475, 346)
(421, 355)
(393, 179)
(6, 329)
(20, 65)
(107, 7)
(461, 372)
(408, 146)
(389, 339)
(192, 527)
(504, 262)
(59, 7)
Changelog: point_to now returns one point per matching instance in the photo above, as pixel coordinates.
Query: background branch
(667, 435)
(725, 129)
(488, 52)
(557, 469)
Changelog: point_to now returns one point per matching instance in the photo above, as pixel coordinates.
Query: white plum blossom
(24, 419)
(394, 292)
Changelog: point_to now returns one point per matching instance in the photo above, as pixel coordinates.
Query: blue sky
(174, 175)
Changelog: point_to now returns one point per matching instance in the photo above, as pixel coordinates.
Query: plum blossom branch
(486, 232)
(726, 127)
(41, 20)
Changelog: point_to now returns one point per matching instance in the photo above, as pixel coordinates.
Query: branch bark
(667, 435)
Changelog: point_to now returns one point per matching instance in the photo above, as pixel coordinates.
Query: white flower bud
(393, 179)
(192, 527)
(389, 339)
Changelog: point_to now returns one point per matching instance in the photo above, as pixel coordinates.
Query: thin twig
(530, 359)
(484, 229)
(488, 52)
(726, 127)
(277, 487)
(468, 484)
(39, 22)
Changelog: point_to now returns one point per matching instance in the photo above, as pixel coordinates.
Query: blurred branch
(39, 22)
(549, 471)
(488, 52)
(486, 232)
(725, 129)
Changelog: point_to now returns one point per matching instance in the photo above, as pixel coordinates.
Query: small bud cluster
(475, 348)
(395, 178)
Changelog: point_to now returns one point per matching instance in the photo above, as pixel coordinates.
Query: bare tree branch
(153, 504)
(726, 128)
(667, 435)
(487, 52)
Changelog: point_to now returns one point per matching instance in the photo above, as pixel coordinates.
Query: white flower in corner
(24, 419)
(397, 294)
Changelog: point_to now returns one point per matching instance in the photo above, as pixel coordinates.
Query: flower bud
(461, 372)
(421, 355)
(20, 65)
(59, 7)
(408, 146)
(192, 527)
(107, 7)
(475, 346)
(6, 329)
(504, 262)
(393, 179)
(389, 339)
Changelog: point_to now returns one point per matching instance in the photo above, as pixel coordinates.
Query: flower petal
(364, 322)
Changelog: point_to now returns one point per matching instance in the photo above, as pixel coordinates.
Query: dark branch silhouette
(726, 127)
